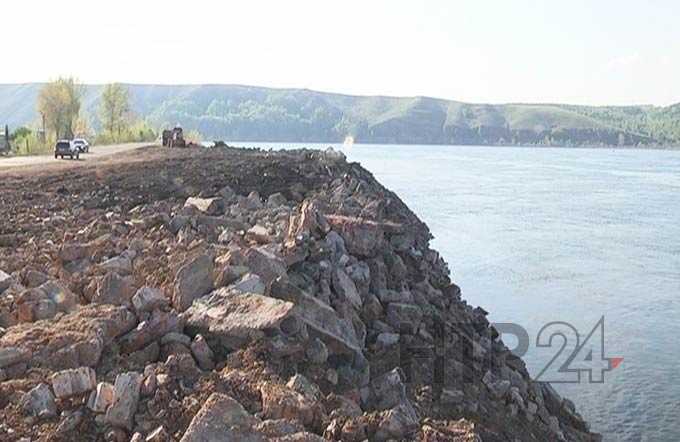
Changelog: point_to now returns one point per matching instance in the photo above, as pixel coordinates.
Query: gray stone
(40, 402)
(177, 223)
(253, 201)
(336, 243)
(265, 264)
(69, 422)
(387, 296)
(317, 352)
(126, 396)
(324, 323)
(279, 402)
(64, 300)
(405, 318)
(229, 275)
(73, 252)
(193, 280)
(305, 387)
(101, 398)
(209, 206)
(362, 237)
(345, 287)
(203, 353)
(148, 299)
(498, 388)
(398, 423)
(118, 264)
(5, 281)
(72, 340)
(249, 283)
(160, 324)
(532, 408)
(13, 355)
(33, 279)
(276, 200)
(234, 318)
(385, 340)
(227, 194)
(222, 419)
(67, 383)
(259, 234)
(176, 337)
(114, 289)
(388, 390)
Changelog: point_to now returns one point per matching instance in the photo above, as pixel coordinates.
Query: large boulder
(209, 206)
(234, 318)
(265, 264)
(74, 340)
(148, 299)
(74, 382)
(101, 398)
(388, 390)
(119, 264)
(45, 301)
(160, 324)
(39, 402)
(193, 280)
(13, 355)
(346, 289)
(322, 320)
(362, 237)
(126, 396)
(405, 318)
(222, 419)
(279, 402)
(114, 289)
(309, 222)
(398, 423)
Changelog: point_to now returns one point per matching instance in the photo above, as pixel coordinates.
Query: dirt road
(96, 154)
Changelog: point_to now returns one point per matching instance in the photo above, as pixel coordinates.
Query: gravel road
(96, 153)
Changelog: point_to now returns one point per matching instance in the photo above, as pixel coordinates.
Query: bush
(27, 143)
(137, 132)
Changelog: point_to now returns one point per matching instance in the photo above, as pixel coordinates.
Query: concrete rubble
(245, 295)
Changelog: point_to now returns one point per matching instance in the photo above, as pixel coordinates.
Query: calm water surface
(536, 235)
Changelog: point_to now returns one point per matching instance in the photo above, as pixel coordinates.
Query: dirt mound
(227, 294)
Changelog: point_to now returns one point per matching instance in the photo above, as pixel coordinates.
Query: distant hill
(247, 113)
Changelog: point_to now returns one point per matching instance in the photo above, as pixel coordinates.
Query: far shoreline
(482, 146)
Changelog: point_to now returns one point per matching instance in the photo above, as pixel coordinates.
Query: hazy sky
(577, 51)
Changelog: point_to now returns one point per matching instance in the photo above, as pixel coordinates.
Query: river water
(538, 235)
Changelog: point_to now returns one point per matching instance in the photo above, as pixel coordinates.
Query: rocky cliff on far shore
(244, 295)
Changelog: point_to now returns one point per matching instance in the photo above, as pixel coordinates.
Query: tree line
(59, 106)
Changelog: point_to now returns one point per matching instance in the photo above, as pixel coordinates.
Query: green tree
(59, 105)
(20, 132)
(114, 110)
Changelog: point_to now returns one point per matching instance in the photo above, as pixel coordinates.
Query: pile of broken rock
(302, 305)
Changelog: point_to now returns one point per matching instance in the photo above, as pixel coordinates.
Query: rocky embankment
(234, 295)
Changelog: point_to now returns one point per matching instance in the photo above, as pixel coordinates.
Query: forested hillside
(247, 113)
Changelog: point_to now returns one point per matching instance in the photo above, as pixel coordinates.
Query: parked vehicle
(66, 148)
(82, 145)
(174, 138)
